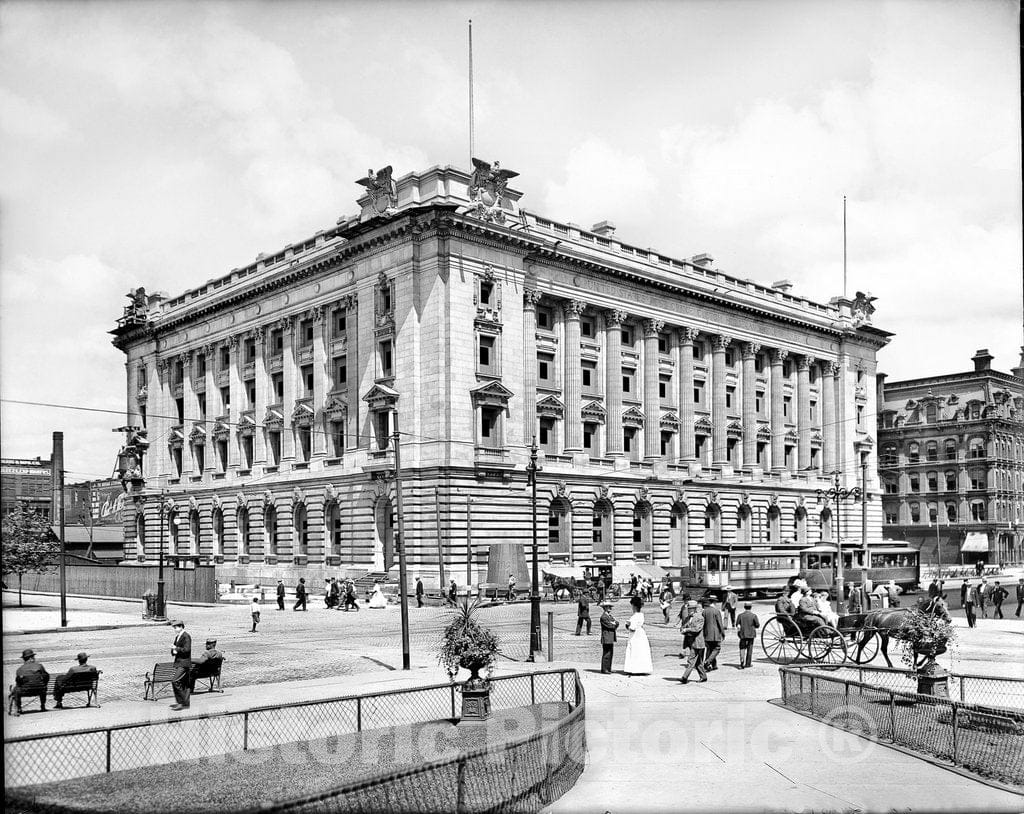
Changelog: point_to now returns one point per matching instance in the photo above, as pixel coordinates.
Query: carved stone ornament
(268, 499)
(382, 190)
(232, 342)
(217, 503)
(799, 501)
(862, 308)
(316, 313)
(602, 493)
(531, 297)
(170, 506)
(330, 495)
(750, 350)
(298, 498)
(713, 497)
(487, 190)
(615, 318)
(652, 327)
(241, 501)
(561, 489)
(645, 494)
(689, 335)
(573, 308)
(744, 498)
(773, 499)
(193, 504)
(257, 333)
(678, 496)
(722, 342)
(779, 355)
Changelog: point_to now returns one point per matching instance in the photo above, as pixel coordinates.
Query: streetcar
(768, 571)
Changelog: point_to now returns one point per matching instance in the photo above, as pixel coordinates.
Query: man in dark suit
(419, 592)
(608, 625)
(747, 624)
(31, 670)
(211, 653)
(181, 650)
(582, 612)
(300, 595)
(1020, 596)
(61, 681)
(999, 594)
(714, 633)
(970, 599)
(280, 595)
(693, 641)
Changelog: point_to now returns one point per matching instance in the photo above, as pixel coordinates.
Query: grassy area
(244, 781)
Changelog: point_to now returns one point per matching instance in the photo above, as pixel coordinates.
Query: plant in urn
(927, 634)
(465, 644)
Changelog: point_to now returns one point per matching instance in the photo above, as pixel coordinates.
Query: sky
(163, 144)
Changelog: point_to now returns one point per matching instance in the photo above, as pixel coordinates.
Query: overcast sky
(162, 144)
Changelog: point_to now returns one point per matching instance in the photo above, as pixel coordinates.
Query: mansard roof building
(952, 462)
(675, 406)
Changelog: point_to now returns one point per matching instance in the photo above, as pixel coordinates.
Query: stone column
(188, 396)
(531, 299)
(158, 417)
(573, 377)
(213, 405)
(320, 381)
(803, 410)
(289, 372)
(750, 351)
(718, 414)
(613, 382)
(234, 410)
(687, 440)
(778, 420)
(262, 392)
(652, 403)
(830, 457)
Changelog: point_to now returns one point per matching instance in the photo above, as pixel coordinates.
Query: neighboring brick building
(28, 481)
(675, 405)
(951, 458)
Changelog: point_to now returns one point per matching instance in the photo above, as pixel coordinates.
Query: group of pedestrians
(980, 597)
(642, 587)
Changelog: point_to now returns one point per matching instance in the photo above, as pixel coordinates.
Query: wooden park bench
(164, 672)
(30, 689)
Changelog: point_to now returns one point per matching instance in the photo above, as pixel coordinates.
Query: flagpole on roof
(844, 247)
(471, 123)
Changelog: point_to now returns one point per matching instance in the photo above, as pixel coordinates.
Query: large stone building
(26, 482)
(674, 406)
(952, 462)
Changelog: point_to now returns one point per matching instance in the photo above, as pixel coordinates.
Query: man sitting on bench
(211, 653)
(61, 681)
(30, 672)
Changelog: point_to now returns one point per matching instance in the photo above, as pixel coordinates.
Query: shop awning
(975, 541)
(649, 569)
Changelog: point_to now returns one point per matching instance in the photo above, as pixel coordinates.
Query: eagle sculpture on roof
(487, 189)
(382, 189)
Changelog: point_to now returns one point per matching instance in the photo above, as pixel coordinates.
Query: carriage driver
(807, 611)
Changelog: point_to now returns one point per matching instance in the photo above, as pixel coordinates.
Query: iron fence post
(245, 731)
(561, 677)
(359, 714)
(812, 695)
(551, 636)
(892, 717)
(784, 678)
(533, 691)
(109, 733)
(460, 799)
(955, 744)
(846, 694)
(961, 689)
(451, 687)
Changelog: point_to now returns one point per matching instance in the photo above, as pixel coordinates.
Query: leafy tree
(29, 546)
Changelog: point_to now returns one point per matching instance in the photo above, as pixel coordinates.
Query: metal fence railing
(997, 691)
(983, 737)
(49, 758)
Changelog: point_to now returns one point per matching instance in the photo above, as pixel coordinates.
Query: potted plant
(465, 644)
(926, 635)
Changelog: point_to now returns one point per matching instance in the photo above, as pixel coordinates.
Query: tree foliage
(28, 543)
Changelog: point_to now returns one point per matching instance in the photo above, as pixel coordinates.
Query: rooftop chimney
(705, 261)
(782, 285)
(605, 228)
(982, 360)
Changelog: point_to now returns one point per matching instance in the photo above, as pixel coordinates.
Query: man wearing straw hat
(608, 625)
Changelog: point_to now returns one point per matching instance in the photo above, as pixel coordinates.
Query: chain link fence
(987, 739)
(35, 759)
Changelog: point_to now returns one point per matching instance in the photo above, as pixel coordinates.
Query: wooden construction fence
(197, 584)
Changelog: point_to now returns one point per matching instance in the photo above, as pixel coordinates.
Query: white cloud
(30, 119)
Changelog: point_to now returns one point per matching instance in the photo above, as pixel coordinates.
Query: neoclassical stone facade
(952, 462)
(675, 406)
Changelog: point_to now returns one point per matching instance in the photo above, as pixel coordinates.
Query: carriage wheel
(826, 646)
(781, 640)
(867, 653)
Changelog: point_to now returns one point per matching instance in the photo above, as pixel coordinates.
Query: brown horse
(884, 621)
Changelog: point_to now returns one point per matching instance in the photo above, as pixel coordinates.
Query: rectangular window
(590, 439)
(250, 350)
(339, 323)
(225, 358)
(664, 387)
(250, 393)
(306, 332)
(933, 482)
(762, 452)
(247, 451)
(787, 402)
(627, 337)
(307, 380)
(201, 404)
(486, 294)
(336, 432)
(546, 438)
(487, 354)
(222, 455)
(890, 518)
(200, 365)
(698, 393)
(544, 319)
(180, 407)
(587, 327)
(176, 460)
(489, 427)
(340, 372)
(860, 416)
(199, 457)
(629, 443)
(277, 386)
(814, 412)
(666, 443)
(662, 343)
(759, 402)
(730, 397)
(699, 447)
(384, 358)
(225, 398)
(305, 443)
(589, 370)
(277, 342)
(274, 448)
(627, 381)
(698, 351)
(730, 357)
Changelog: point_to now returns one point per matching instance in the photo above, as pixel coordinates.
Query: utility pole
(839, 494)
(531, 473)
(403, 582)
(440, 546)
(469, 542)
(57, 470)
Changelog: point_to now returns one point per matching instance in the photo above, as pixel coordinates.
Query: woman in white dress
(638, 648)
(378, 600)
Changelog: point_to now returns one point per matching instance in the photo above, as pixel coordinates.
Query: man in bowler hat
(182, 652)
(608, 625)
(31, 669)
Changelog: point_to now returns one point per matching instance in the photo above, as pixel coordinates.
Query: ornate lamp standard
(839, 494)
(531, 475)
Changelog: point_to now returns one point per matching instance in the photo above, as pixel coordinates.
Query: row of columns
(686, 336)
(162, 410)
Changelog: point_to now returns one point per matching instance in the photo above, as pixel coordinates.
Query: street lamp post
(839, 494)
(160, 614)
(531, 473)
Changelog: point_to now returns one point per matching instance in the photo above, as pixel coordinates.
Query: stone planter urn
(931, 678)
(476, 695)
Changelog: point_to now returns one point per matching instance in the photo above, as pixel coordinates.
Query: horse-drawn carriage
(858, 637)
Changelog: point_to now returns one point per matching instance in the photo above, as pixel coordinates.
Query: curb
(115, 598)
(82, 628)
(935, 761)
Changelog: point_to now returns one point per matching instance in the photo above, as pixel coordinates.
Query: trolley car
(768, 570)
